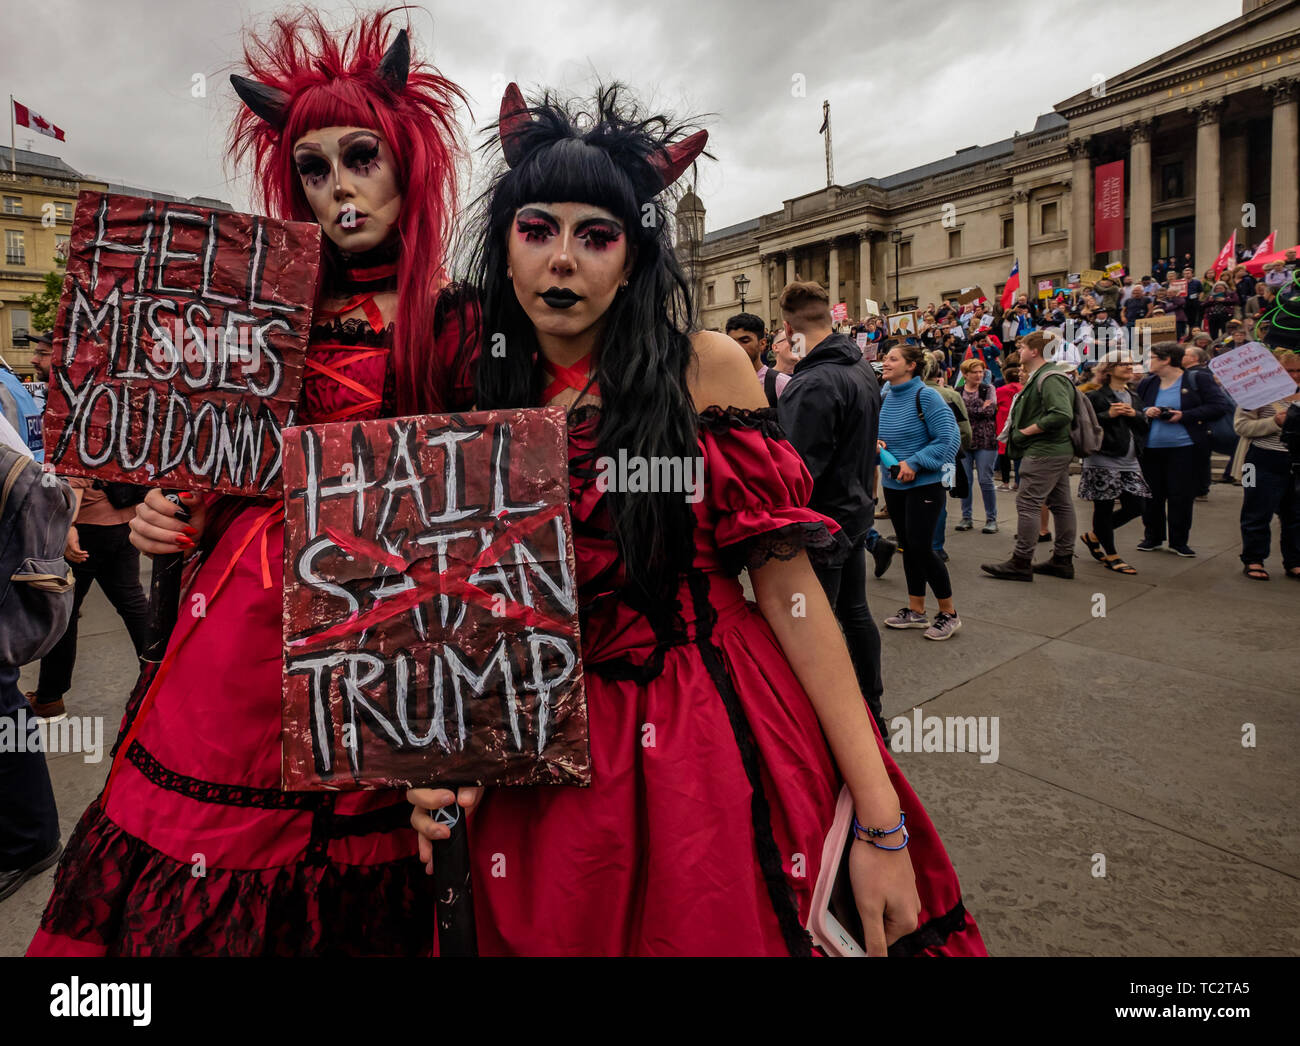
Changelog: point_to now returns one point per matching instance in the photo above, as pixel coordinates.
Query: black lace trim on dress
(354, 331)
(211, 792)
(934, 934)
(722, 419)
(824, 548)
(797, 940)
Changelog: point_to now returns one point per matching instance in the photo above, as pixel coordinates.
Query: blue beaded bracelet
(867, 834)
(900, 846)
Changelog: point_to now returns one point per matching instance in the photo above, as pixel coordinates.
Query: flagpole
(13, 162)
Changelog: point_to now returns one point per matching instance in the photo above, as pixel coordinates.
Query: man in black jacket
(830, 411)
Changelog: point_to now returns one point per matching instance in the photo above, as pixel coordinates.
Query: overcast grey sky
(909, 82)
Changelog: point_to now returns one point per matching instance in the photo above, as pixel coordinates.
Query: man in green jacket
(1040, 435)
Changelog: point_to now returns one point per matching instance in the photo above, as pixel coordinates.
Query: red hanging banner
(1108, 214)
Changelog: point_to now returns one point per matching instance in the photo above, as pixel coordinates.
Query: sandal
(1117, 565)
(1094, 546)
(1293, 573)
(1257, 573)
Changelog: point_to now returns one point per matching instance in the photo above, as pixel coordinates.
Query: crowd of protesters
(976, 398)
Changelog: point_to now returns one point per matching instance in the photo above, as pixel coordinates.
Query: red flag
(1108, 217)
(25, 117)
(1227, 256)
(1266, 247)
(1013, 285)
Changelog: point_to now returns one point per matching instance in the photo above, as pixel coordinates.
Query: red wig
(334, 81)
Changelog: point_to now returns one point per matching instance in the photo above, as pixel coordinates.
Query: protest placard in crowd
(179, 344)
(1252, 376)
(430, 615)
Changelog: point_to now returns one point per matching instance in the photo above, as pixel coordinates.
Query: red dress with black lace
(192, 848)
(710, 773)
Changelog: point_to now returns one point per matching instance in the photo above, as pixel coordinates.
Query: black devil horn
(395, 66)
(270, 103)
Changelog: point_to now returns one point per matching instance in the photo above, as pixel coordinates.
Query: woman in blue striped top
(917, 429)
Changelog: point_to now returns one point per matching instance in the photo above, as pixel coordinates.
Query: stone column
(833, 273)
(789, 266)
(1208, 212)
(1284, 187)
(866, 278)
(1139, 200)
(1020, 215)
(1080, 205)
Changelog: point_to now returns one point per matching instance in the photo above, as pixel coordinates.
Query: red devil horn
(672, 161)
(514, 118)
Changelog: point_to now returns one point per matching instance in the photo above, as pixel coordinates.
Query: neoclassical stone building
(1208, 133)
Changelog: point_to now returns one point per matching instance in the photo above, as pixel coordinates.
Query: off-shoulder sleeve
(757, 490)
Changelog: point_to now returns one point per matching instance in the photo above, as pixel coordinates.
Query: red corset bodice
(347, 376)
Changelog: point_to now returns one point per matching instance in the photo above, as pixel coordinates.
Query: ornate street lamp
(742, 285)
(896, 238)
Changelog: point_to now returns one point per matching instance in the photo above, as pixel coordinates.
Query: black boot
(1057, 566)
(1017, 568)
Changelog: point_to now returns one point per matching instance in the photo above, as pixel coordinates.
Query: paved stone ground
(1118, 735)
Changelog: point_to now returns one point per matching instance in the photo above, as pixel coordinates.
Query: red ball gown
(193, 849)
(712, 785)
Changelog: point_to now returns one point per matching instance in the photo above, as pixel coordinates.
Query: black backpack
(769, 385)
(36, 510)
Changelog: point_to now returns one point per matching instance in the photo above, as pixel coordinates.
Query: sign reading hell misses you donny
(430, 609)
(179, 344)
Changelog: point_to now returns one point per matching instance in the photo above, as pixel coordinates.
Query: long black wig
(605, 156)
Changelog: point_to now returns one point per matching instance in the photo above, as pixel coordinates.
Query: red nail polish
(192, 531)
(184, 542)
(188, 495)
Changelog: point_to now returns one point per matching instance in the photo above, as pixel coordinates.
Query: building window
(63, 211)
(906, 305)
(15, 254)
(1171, 181)
(708, 294)
(954, 243)
(20, 320)
(13, 205)
(1008, 232)
(905, 254)
(1050, 217)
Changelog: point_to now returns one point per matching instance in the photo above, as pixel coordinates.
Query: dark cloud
(908, 82)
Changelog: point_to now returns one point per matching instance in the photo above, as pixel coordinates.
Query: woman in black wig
(721, 730)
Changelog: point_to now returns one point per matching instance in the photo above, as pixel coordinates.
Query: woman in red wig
(192, 848)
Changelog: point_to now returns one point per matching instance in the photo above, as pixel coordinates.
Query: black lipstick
(559, 298)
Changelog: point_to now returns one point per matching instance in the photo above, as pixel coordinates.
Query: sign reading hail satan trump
(430, 604)
(179, 344)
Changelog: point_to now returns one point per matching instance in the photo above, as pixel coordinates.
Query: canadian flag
(25, 117)
(1228, 256)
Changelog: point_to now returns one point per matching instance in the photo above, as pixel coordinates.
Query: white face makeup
(567, 261)
(350, 181)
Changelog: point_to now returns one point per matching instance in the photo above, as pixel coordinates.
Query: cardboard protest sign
(179, 344)
(1178, 287)
(1115, 270)
(862, 339)
(430, 608)
(1091, 276)
(839, 312)
(1157, 327)
(1252, 376)
(1044, 288)
(871, 306)
(971, 294)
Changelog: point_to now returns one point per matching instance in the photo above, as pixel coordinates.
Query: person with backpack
(918, 437)
(36, 509)
(1038, 431)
